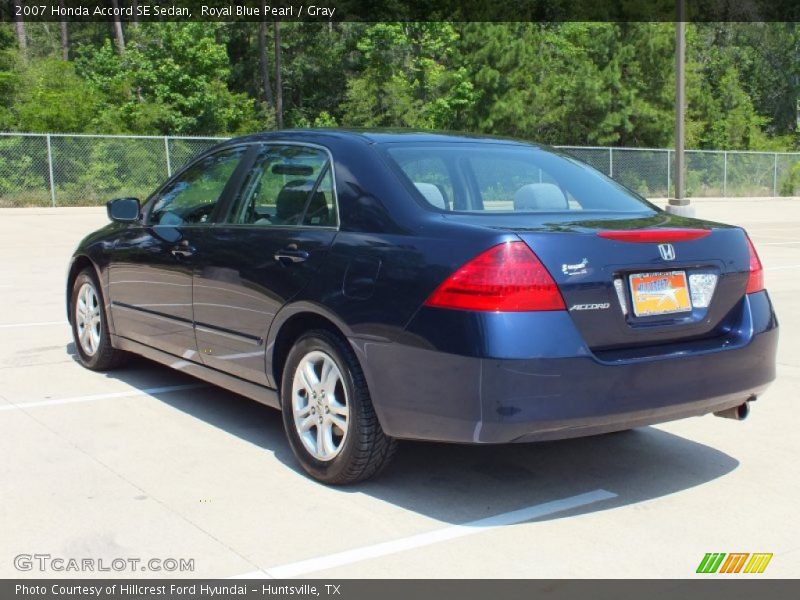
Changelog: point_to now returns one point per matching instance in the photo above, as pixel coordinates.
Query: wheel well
(79, 264)
(288, 334)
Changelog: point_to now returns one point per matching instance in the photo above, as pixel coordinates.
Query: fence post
(669, 173)
(775, 177)
(611, 162)
(724, 174)
(50, 171)
(166, 153)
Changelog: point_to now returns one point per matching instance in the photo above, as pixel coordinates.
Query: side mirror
(124, 210)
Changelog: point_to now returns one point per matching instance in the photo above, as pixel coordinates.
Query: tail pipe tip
(738, 413)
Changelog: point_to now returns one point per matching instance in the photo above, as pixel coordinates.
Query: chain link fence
(88, 170)
(709, 173)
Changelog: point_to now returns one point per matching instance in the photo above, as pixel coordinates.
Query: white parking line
(126, 394)
(782, 268)
(778, 243)
(426, 539)
(35, 324)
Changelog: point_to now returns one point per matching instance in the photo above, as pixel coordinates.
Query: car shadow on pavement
(461, 483)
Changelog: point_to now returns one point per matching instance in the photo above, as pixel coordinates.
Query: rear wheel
(90, 326)
(328, 414)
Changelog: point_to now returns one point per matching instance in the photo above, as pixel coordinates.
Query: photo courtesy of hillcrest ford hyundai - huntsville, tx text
(378, 286)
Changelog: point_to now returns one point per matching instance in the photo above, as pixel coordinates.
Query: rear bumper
(563, 390)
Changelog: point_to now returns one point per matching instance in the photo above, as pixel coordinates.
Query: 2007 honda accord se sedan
(377, 286)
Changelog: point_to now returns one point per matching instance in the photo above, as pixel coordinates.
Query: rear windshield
(492, 177)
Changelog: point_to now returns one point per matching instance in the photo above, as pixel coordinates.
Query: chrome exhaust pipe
(738, 413)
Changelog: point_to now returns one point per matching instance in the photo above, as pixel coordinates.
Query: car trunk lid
(679, 281)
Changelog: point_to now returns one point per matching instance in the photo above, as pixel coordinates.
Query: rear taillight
(508, 277)
(755, 283)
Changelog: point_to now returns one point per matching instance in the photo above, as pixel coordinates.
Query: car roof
(383, 136)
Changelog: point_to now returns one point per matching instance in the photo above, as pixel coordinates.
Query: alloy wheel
(87, 319)
(320, 405)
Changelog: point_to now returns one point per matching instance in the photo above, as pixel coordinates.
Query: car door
(275, 236)
(150, 277)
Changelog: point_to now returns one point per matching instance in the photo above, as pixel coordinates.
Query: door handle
(291, 254)
(183, 250)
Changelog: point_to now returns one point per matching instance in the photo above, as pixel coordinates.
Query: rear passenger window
(487, 176)
(430, 176)
(508, 184)
(287, 186)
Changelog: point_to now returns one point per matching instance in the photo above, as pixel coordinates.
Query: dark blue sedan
(385, 286)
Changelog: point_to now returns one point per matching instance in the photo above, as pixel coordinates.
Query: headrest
(292, 199)
(432, 194)
(540, 196)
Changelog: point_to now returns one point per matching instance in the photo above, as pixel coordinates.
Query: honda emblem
(667, 251)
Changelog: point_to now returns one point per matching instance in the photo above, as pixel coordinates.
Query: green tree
(51, 97)
(172, 79)
(571, 83)
(8, 77)
(768, 62)
(317, 60)
(720, 112)
(562, 83)
(408, 76)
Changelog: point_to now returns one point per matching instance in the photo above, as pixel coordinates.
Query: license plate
(660, 293)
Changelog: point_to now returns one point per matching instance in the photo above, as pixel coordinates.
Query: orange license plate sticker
(659, 293)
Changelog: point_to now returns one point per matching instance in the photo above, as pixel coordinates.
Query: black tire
(365, 449)
(105, 356)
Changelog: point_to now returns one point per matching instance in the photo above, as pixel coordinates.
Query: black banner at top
(397, 10)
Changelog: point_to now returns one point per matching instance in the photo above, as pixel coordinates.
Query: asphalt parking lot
(145, 462)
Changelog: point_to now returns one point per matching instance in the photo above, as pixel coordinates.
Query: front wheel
(328, 414)
(90, 326)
